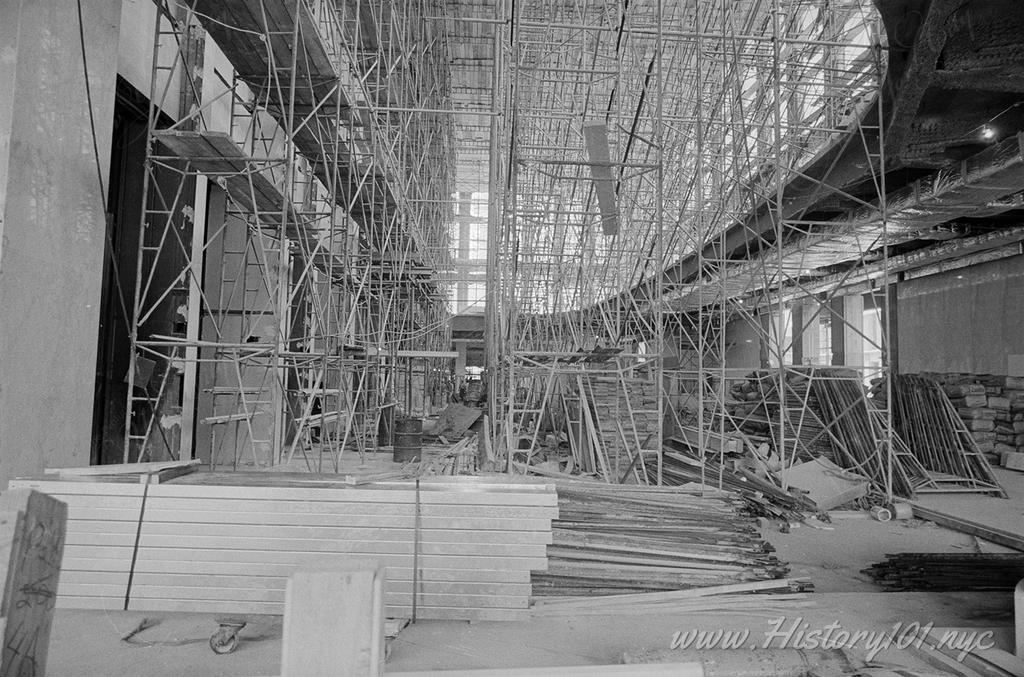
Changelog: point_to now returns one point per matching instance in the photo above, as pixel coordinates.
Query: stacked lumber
(719, 598)
(761, 406)
(227, 542)
(631, 539)
(625, 415)
(460, 458)
(948, 571)
(145, 473)
(761, 496)
(991, 406)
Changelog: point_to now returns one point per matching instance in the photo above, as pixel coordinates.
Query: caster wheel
(222, 643)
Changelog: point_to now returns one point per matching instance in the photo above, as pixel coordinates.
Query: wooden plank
(277, 608)
(31, 548)
(324, 607)
(349, 534)
(124, 468)
(427, 522)
(80, 569)
(60, 488)
(206, 510)
(360, 495)
(1000, 536)
(273, 507)
(246, 557)
(246, 580)
(316, 545)
(277, 595)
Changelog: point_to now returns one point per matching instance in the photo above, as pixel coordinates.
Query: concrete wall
(963, 320)
(51, 260)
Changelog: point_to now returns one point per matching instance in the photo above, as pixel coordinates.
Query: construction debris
(940, 439)
(762, 496)
(991, 406)
(453, 422)
(612, 540)
(948, 571)
(735, 597)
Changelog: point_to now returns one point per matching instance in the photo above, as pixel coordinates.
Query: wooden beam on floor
(31, 549)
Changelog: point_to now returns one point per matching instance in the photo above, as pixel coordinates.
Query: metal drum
(408, 440)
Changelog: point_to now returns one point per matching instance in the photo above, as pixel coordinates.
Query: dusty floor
(87, 643)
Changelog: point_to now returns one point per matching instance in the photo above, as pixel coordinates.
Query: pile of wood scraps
(948, 571)
(460, 458)
(825, 412)
(632, 539)
(454, 548)
(786, 594)
(762, 496)
(611, 422)
(760, 403)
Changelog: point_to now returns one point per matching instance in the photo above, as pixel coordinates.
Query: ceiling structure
(732, 126)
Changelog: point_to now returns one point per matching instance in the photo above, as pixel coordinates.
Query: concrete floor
(86, 643)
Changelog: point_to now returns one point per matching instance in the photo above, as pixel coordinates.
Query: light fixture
(988, 132)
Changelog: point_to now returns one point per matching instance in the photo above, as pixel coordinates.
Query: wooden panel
(153, 543)
(299, 518)
(277, 608)
(478, 542)
(325, 606)
(32, 528)
(407, 495)
(83, 569)
(229, 532)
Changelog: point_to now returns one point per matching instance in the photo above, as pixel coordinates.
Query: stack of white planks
(226, 542)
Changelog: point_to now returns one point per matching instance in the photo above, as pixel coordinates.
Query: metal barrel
(408, 440)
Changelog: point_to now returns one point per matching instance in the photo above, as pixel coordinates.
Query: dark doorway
(124, 204)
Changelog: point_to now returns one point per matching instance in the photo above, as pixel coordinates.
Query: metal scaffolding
(648, 156)
(296, 216)
(676, 195)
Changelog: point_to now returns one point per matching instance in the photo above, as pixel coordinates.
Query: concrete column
(838, 330)
(797, 341)
(460, 363)
(853, 325)
(52, 225)
(810, 336)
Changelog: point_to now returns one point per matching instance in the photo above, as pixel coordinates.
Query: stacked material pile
(759, 401)
(948, 571)
(992, 408)
(632, 539)
(940, 440)
(735, 598)
(227, 542)
(625, 413)
(763, 498)
(861, 430)
(828, 414)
